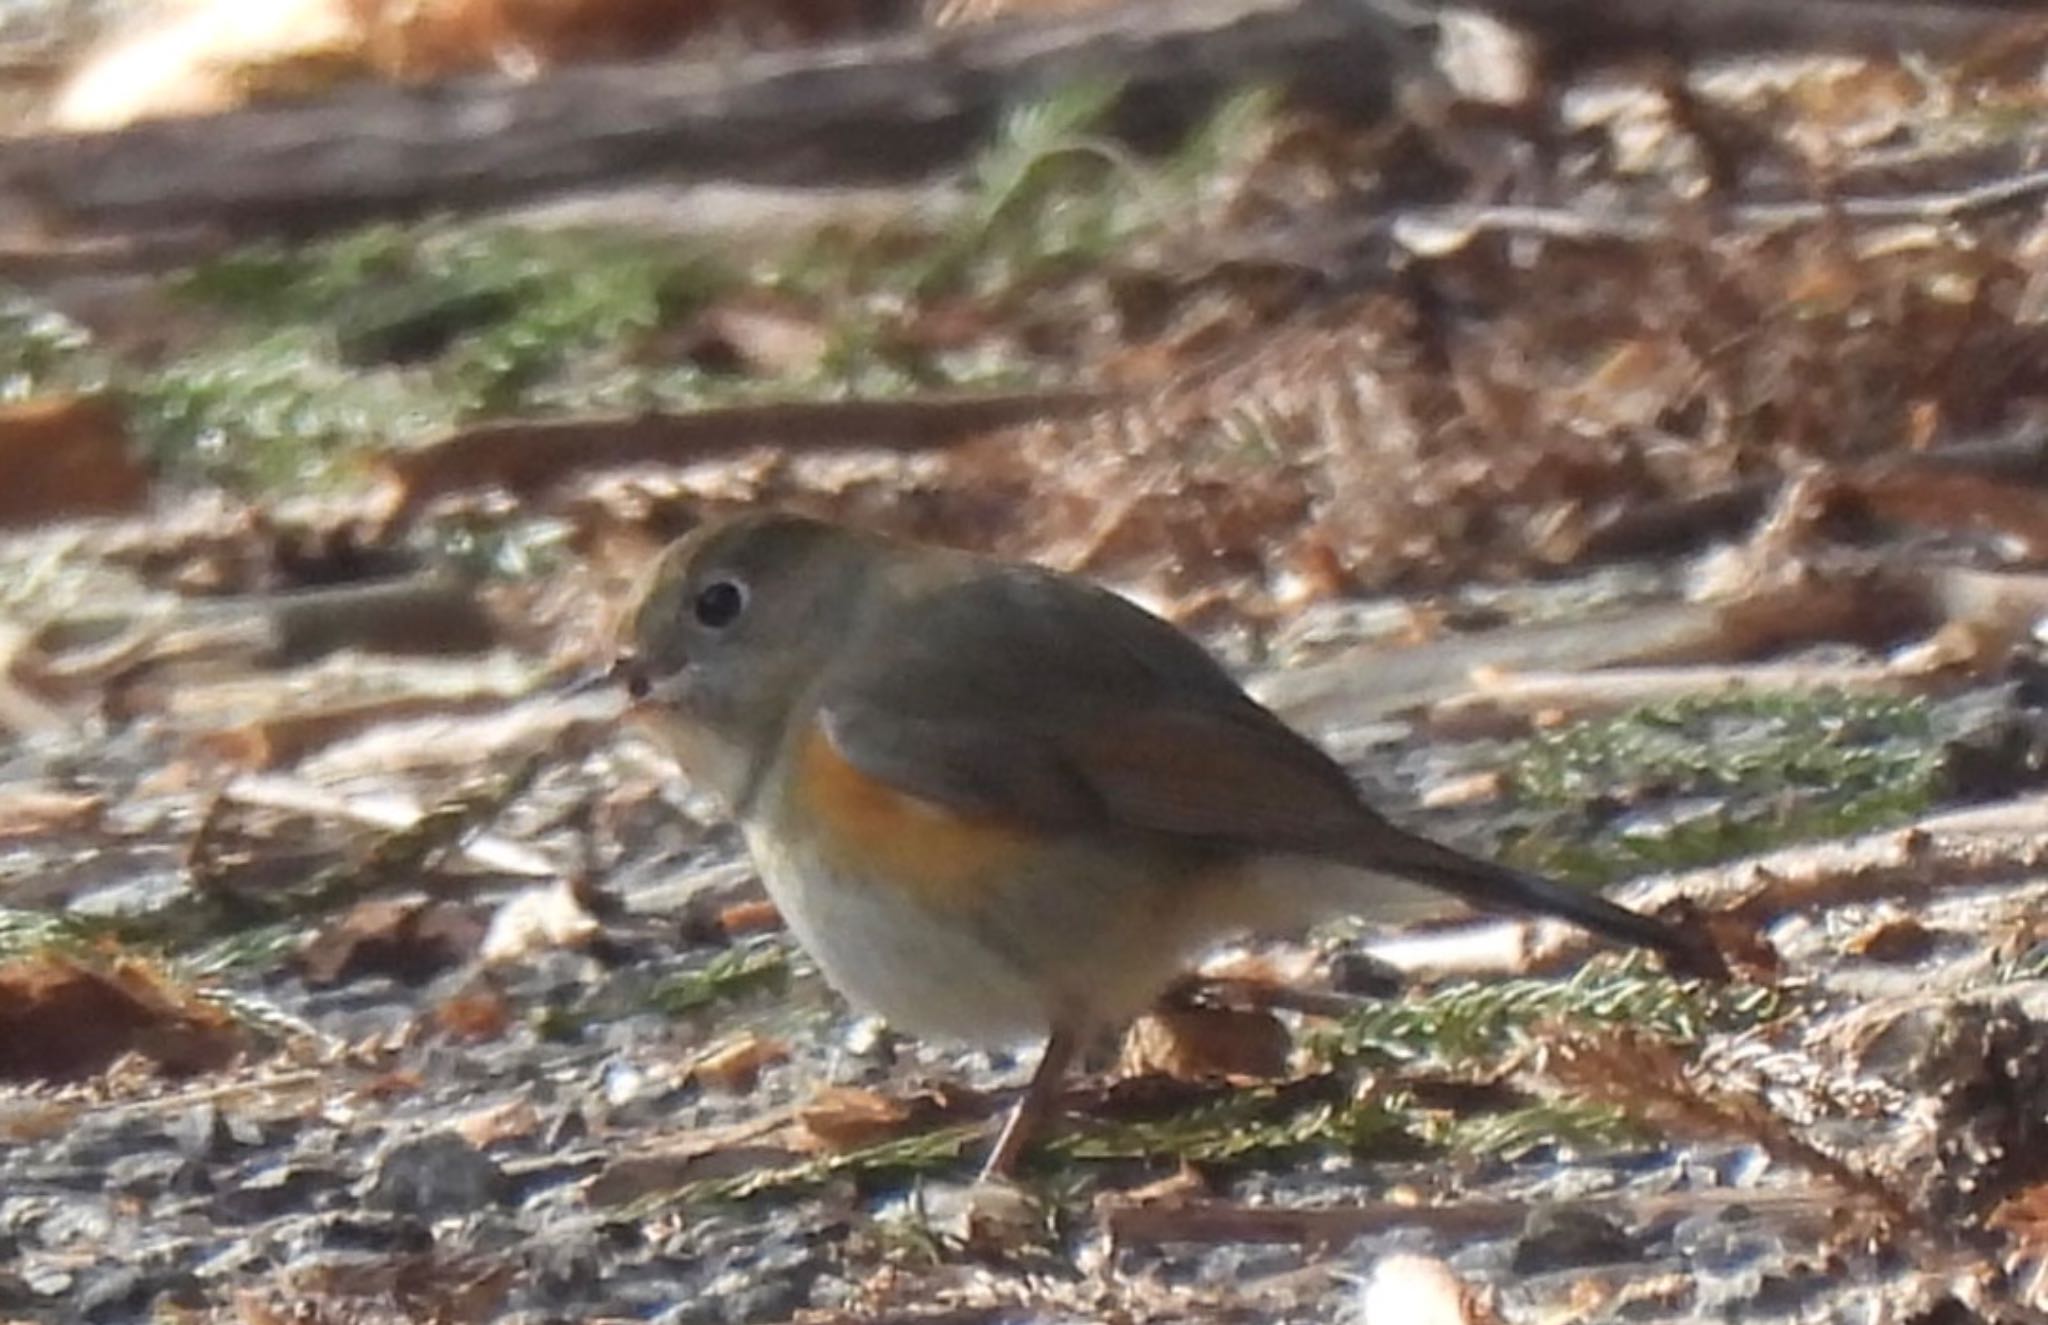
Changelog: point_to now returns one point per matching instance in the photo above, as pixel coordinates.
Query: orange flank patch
(942, 855)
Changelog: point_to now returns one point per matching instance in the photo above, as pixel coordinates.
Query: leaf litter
(371, 1033)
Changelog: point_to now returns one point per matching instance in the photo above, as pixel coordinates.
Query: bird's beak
(623, 672)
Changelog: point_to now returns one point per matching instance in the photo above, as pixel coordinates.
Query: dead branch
(391, 813)
(1664, 527)
(879, 110)
(1580, 32)
(530, 457)
(1424, 228)
(1857, 603)
(886, 110)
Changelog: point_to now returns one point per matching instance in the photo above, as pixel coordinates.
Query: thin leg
(1025, 1119)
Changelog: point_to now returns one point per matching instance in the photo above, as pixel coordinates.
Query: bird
(1001, 804)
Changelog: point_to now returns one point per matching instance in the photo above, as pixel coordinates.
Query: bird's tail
(1493, 887)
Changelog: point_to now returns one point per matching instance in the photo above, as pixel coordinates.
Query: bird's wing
(1054, 704)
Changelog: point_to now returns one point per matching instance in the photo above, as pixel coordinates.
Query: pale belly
(1080, 940)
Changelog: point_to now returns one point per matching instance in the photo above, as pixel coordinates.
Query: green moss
(25, 933)
(306, 356)
(1263, 1123)
(333, 348)
(1471, 1023)
(730, 974)
(1515, 1132)
(1052, 201)
(42, 351)
(1696, 781)
(257, 949)
(1054, 194)
(898, 1160)
(274, 412)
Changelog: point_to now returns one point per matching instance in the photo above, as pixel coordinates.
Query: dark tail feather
(1499, 888)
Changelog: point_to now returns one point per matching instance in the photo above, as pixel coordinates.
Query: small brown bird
(998, 803)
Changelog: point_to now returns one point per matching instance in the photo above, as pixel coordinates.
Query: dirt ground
(1631, 464)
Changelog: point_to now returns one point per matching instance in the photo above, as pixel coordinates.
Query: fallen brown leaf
(62, 1019)
(478, 1013)
(408, 938)
(202, 58)
(842, 1118)
(418, 39)
(508, 1121)
(31, 811)
(734, 1065)
(536, 920)
(1892, 938)
(1201, 1044)
(758, 335)
(743, 918)
(530, 458)
(66, 456)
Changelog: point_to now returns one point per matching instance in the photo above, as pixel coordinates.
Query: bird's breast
(861, 827)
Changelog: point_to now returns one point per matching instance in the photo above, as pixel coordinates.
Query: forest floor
(1636, 470)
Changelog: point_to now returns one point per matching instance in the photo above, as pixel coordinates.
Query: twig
(392, 813)
(1223, 1221)
(900, 107)
(530, 457)
(1433, 229)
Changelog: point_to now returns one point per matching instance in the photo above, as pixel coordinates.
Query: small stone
(154, 1175)
(112, 1292)
(279, 1189)
(200, 1133)
(567, 1129)
(1564, 1238)
(437, 1174)
(360, 1231)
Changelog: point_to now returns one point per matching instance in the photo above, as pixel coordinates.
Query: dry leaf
(66, 456)
(61, 1020)
(758, 335)
(1893, 938)
(510, 1121)
(476, 1014)
(842, 1118)
(1201, 1044)
(734, 1065)
(2023, 1217)
(286, 738)
(32, 811)
(1486, 60)
(409, 939)
(753, 917)
(536, 920)
(1472, 789)
(435, 38)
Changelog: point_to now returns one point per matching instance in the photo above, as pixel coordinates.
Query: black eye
(719, 604)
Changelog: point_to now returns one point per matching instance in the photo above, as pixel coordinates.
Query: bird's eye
(719, 604)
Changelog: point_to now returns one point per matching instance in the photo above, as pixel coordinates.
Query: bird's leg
(1029, 1114)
